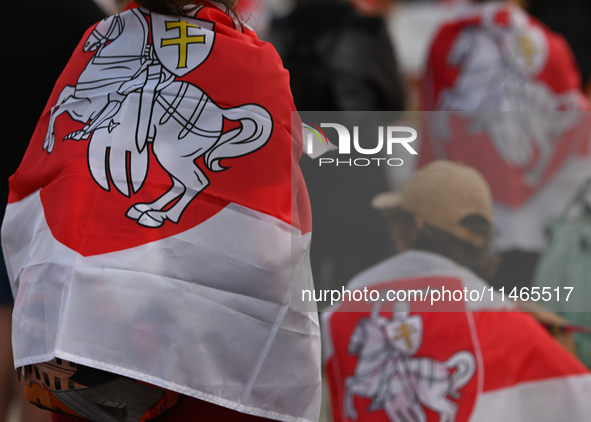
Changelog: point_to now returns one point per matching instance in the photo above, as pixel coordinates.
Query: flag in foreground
(153, 223)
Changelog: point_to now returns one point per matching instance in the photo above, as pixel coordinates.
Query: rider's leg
(147, 98)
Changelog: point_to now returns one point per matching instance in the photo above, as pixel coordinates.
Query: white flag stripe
(217, 324)
(412, 263)
(571, 402)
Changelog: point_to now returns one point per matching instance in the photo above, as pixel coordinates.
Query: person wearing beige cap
(411, 352)
(446, 209)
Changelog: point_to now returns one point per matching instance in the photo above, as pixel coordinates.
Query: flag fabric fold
(154, 225)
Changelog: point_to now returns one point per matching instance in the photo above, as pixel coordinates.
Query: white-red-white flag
(153, 223)
(505, 95)
(461, 361)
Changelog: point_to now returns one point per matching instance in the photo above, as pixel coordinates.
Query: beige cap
(443, 193)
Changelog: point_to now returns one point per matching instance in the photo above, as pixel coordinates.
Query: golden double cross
(183, 40)
(528, 49)
(404, 332)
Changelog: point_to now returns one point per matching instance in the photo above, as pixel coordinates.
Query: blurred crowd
(500, 86)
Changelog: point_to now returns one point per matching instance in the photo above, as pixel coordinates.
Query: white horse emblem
(397, 382)
(128, 97)
(497, 91)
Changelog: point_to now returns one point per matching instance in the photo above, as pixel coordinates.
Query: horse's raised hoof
(152, 219)
(136, 211)
(48, 144)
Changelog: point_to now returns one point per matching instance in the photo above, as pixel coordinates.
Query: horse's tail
(465, 367)
(256, 127)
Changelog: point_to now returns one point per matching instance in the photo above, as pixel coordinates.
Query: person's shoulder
(410, 264)
(382, 271)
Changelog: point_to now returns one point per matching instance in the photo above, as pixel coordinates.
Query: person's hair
(175, 7)
(408, 235)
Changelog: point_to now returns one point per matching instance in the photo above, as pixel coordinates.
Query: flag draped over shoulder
(503, 94)
(476, 59)
(474, 361)
(153, 223)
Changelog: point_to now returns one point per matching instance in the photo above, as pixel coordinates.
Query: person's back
(434, 342)
(154, 206)
(502, 93)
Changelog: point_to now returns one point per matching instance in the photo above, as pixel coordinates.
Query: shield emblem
(181, 43)
(395, 374)
(405, 334)
(527, 50)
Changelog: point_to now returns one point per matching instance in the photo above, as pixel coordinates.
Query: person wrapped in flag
(126, 69)
(403, 358)
(159, 225)
(508, 94)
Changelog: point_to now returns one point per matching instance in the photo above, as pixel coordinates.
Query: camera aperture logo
(316, 143)
(316, 131)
